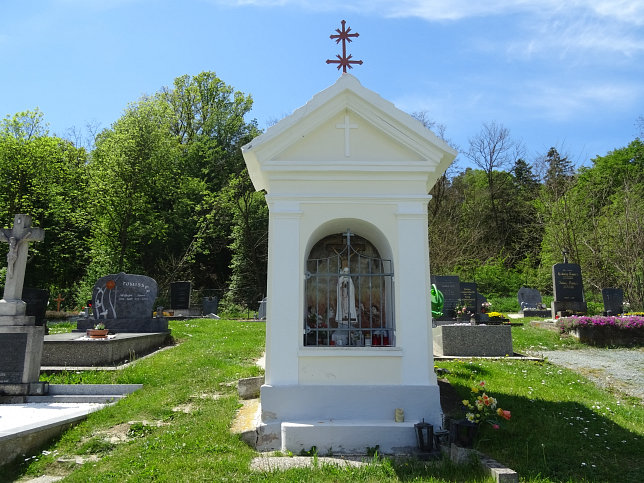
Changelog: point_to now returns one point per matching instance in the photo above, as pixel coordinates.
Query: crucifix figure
(18, 239)
(347, 126)
(344, 36)
(59, 300)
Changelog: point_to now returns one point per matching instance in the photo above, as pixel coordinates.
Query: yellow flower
(466, 403)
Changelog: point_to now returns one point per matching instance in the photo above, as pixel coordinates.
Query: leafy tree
(134, 181)
(249, 240)
(608, 200)
(558, 214)
(46, 177)
(493, 150)
(209, 123)
(559, 173)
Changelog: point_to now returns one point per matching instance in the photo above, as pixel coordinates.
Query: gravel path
(621, 369)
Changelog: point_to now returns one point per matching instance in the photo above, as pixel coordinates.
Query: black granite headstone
(613, 301)
(124, 303)
(124, 296)
(180, 295)
(529, 298)
(13, 348)
(37, 300)
(568, 289)
(566, 282)
(450, 287)
(469, 297)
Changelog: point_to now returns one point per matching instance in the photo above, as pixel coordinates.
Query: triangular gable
(315, 137)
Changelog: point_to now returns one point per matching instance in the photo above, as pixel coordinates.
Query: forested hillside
(164, 192)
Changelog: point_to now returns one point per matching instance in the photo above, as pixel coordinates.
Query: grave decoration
(437, 302)
(123, 303)
(450, 287)
(469, 300)
(479, 408)
(21, 340)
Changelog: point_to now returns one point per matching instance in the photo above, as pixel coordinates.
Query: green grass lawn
(177, 427)
(532, 339)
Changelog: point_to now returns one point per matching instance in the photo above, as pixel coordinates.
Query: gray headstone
(210, 305)
(529, 298)
(261, 311)
(469, 297)
(124, 296)
(450, 287)
(180, 295)
(613, 300)
(13, 349)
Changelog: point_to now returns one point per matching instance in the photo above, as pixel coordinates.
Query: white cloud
(564, 27)
(563, 103)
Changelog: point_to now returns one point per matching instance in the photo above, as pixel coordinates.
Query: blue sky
(558, 73)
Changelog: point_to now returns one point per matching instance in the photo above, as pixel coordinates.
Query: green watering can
(437, 301)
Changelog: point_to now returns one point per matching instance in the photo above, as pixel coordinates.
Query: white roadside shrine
(346, 178)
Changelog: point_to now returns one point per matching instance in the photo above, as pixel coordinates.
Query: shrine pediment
(347, 138)
(346, 128)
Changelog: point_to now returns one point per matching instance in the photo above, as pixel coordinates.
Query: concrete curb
(60, 415)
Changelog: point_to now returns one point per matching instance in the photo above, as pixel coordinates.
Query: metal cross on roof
(344, 36)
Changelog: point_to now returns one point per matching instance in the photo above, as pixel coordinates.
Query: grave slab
(473, 340)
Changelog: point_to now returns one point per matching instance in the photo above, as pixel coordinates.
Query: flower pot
(97, 333)
(463, 432)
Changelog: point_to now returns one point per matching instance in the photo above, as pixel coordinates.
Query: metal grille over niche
(348, 294)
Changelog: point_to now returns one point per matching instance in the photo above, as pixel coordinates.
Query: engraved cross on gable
(347, 126)
(18, 239)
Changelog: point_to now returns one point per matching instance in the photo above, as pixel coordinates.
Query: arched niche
(348, 293)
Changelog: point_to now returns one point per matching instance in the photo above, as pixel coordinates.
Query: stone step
(76, 398)
(93, 389)
(85, 393)
(349, 436)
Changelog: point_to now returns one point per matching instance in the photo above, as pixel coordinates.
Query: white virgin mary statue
(346, 309)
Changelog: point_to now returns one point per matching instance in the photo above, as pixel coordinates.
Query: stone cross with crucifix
(18, 239)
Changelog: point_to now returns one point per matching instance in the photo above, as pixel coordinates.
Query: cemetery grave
(531, 303)
(20, 338)
(468, 331)
(568, 290)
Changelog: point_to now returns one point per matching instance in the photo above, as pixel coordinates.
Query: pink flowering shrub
(567, 324)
